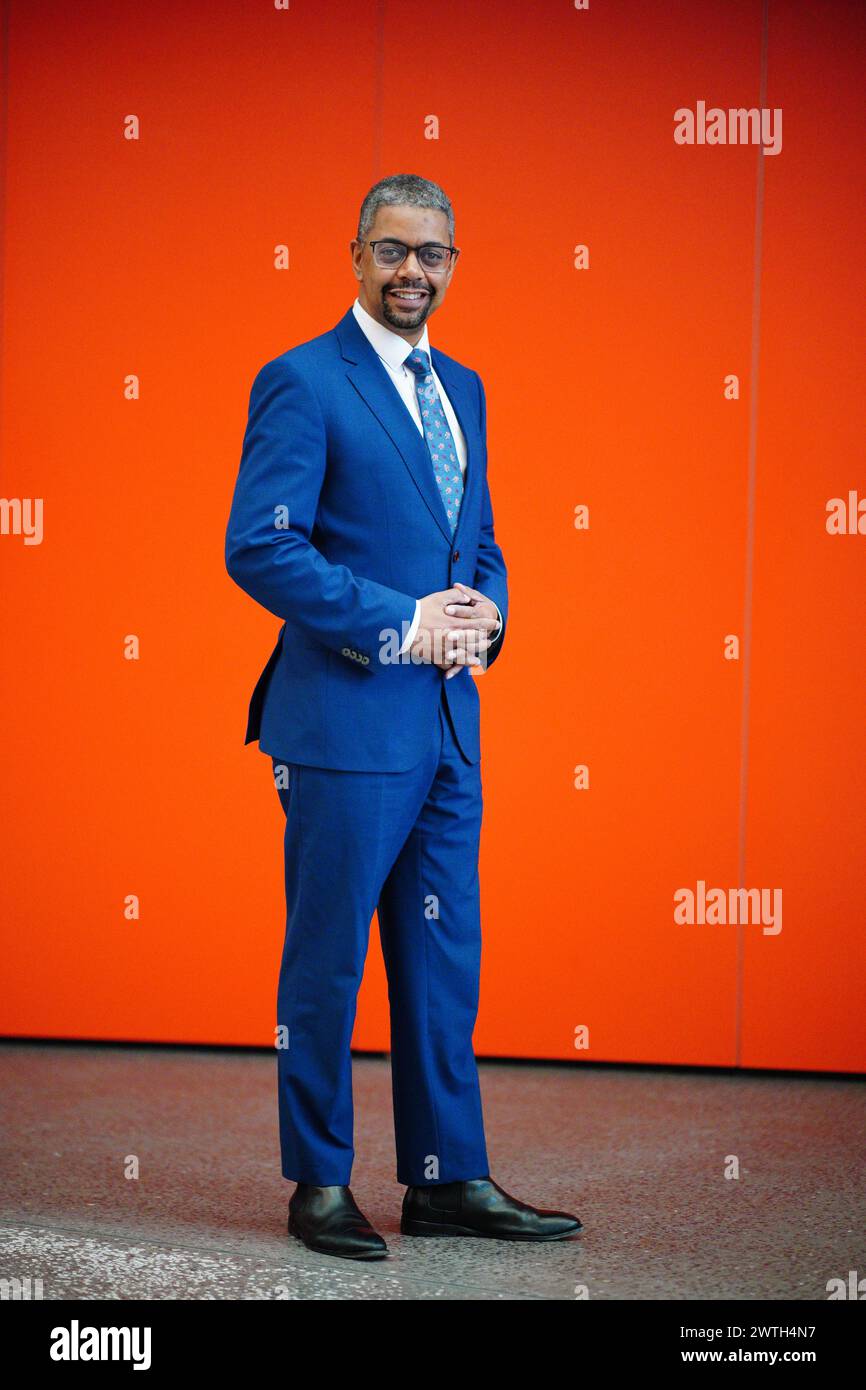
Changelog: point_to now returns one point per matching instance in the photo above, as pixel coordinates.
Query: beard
(405, 318)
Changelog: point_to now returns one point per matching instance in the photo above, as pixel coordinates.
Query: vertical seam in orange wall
(750, 535)
(4, 127)
(378, 88)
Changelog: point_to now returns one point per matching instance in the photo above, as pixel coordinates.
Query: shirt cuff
(413, 628)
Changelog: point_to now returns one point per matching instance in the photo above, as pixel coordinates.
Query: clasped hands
(454, 628)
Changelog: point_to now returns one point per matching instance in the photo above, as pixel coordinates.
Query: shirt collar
(390, 346)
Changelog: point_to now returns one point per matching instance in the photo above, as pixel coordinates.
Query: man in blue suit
(362, 518)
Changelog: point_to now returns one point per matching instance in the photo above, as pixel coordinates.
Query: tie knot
(418, 362)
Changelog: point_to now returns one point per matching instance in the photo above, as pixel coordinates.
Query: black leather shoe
(327, 1219)
(480, 1208)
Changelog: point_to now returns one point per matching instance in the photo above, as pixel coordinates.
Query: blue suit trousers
(405, 843)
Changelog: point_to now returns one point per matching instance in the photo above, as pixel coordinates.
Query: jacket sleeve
(491, 576)
(268, 550)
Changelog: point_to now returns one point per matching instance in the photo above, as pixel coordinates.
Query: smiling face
(402, 299)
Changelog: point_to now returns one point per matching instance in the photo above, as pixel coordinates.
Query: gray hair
(400, 189)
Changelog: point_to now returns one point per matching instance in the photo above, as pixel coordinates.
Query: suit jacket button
(457, 555)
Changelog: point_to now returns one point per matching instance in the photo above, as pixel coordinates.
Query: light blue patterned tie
(440, 441)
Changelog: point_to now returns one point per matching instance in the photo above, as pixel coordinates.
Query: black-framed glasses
(432, 255)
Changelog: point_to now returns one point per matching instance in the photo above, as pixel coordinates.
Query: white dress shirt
(392, 351)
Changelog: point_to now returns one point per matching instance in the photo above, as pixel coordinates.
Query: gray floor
(638, 1154)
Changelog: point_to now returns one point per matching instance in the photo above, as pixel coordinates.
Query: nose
(411, 266)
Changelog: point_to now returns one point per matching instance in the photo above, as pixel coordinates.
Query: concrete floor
(639, 1154)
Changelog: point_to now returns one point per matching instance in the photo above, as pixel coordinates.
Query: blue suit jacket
(337, 527)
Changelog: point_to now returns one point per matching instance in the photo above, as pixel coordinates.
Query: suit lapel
(373, 384)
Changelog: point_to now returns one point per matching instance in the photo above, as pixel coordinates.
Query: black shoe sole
(414, 1227)
(336, 1254)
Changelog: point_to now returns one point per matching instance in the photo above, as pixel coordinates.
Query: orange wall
(604, 387)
